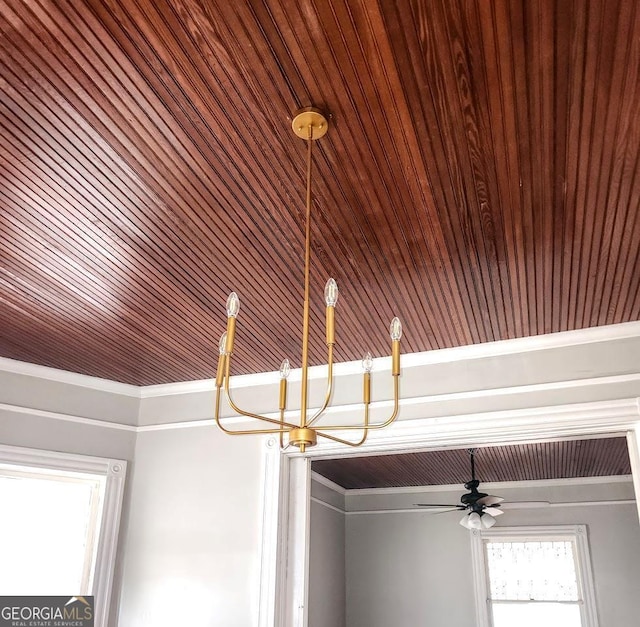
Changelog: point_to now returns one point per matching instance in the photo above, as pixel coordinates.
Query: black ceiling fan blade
(440, 505)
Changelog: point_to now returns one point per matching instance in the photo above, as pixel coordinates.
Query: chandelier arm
(239, 432)
(246, 413)
(365, 427)
(327, 397)
(250, 431)
(382, 425)
(281, 431)
(287, 425)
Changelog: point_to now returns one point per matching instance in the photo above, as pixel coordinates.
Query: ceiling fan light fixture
(474, 520)
(308, 124)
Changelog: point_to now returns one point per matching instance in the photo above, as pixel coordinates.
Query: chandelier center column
(308, 124)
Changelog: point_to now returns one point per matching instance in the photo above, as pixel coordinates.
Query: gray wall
(193, 545)
(190, 527)
(408, 569)
(44, 394)
(327, 587)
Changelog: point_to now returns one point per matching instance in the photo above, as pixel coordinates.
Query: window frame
(577, 534)
(113, 473)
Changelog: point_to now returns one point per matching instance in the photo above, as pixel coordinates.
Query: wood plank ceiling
(597, 457)
(480, 180)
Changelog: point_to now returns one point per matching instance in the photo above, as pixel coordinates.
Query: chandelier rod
(307, 272)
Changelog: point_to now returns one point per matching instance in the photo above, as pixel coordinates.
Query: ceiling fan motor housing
(470, 498)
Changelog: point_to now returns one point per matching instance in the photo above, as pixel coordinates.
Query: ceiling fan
(481, 508)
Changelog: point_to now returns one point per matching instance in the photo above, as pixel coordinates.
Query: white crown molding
(512, 506)
(106, 424)
(14, 366)
(327, 505)
(187, 424)
(329, 484)
(192, 424)
(93, 422)
(181, 387)
(591, 335)
(492, 486)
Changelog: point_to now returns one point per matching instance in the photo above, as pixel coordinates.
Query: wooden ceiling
(480, 179)
(598, 457)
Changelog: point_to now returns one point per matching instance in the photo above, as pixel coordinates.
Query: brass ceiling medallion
(309, 124)
(309, 117)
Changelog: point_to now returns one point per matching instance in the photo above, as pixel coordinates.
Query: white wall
(407, 569)
(327, 586)
(193, 545)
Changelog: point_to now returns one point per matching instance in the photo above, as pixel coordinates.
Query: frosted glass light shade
(478, 521)
(472, 521)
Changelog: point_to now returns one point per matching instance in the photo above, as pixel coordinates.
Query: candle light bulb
(331, 293)
(395, 329)
(233, 305)
(367, 362)
(222, 343)
(285, 369)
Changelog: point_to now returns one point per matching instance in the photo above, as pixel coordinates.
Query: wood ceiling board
(480, 179)
(596, 457)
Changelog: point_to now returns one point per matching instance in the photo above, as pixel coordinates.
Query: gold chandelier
(309, 124)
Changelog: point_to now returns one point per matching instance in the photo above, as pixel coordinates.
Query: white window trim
(577, 534)
(114, 472)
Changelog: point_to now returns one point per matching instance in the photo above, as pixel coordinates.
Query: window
(532, 576)
(59, 525)
(47, 533)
